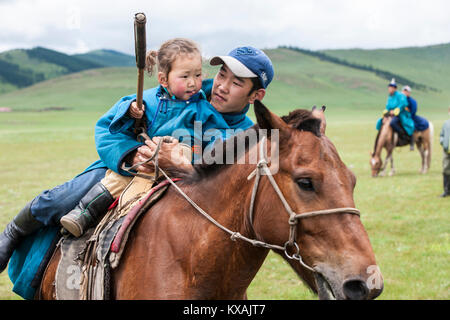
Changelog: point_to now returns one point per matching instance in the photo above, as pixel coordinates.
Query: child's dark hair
(167, 53)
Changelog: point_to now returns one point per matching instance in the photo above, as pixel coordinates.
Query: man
(420, 124)
(444, 139)
(245, 74)
(395, 106)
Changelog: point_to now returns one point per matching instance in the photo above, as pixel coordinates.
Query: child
(175, 104)
(445, 141)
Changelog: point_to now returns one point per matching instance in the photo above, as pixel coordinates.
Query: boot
(22, 225)
(89, 211)
(446, 186)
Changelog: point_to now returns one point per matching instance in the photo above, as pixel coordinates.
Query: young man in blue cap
(243, 78)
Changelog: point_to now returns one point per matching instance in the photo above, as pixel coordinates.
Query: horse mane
(303, 120)
(300, 119)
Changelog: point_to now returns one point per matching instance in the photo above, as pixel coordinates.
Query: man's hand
(135, 112)
(171, 154)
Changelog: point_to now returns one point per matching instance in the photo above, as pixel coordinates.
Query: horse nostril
(356, 290)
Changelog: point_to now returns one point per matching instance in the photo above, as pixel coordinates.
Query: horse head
(383, 136)
(375, 164)
(312, 177)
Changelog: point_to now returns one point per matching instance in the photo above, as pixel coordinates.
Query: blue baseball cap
(247, 62)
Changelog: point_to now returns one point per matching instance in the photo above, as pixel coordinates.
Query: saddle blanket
(86, 262)
(28, 262)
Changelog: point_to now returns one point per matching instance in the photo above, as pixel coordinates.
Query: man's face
(391, 90)
(231, 93)
(406, 93)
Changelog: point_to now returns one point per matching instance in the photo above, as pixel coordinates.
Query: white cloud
(78, 26)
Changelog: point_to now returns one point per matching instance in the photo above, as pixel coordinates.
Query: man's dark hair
(256, 85)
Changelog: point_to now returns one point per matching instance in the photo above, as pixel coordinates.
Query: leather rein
(261, 168)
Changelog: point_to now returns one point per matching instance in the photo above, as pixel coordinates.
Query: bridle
(261, 168)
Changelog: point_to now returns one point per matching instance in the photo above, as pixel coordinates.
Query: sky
(78, 26)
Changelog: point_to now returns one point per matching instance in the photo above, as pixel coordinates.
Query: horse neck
(237, 261)
(383, 138)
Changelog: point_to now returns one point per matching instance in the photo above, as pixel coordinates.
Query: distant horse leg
(423, 155)
(383, 168)
(385, 164)
(426, 165)
(391, 158)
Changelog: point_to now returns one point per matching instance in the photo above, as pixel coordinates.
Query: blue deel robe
(398, 100)
(420, 123)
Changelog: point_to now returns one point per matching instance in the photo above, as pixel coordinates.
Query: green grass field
(407, 222)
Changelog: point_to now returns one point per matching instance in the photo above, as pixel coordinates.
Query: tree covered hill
(23, 67)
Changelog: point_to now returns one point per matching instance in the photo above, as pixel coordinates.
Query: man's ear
(163, 79)
(257, 95)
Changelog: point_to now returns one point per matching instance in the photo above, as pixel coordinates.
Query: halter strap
(262, 166)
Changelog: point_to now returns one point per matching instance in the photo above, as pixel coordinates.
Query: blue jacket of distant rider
(114, 136)
(420, 123)
(397, 102)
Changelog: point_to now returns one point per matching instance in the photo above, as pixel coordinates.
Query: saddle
(85, 265)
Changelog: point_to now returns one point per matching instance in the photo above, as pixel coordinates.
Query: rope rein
(262, 167)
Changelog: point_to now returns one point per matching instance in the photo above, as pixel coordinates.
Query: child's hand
(135, 112)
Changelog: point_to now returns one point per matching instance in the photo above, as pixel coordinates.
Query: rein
(262, 167)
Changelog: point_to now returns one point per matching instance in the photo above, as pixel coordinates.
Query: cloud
(79, 26)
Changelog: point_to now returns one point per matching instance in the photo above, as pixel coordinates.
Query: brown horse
(175, 253)
(387, 139)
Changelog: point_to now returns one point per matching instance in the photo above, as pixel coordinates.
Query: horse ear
(268, 120)
(320, 114)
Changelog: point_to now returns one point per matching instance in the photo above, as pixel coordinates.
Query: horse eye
(305, 184)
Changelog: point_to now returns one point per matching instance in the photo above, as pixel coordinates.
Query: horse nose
(356, 289)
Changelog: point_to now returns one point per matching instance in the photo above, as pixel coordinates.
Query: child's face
(185, 78)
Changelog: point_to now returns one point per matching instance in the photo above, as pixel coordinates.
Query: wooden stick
(140, 51)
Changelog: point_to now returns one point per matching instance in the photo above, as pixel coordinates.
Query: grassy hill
(21, 68)
(109, 58)
(301, 80)
(430, 64)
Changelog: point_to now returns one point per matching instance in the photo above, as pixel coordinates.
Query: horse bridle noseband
(262, 167)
